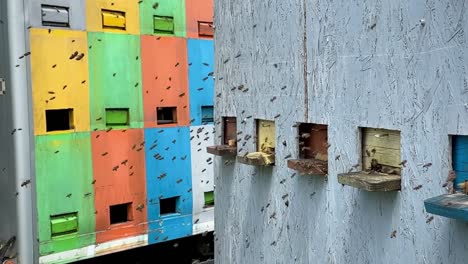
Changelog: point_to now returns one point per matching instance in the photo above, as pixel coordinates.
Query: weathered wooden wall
(346, 63)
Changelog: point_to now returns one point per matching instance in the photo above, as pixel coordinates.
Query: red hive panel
(119, 174)
(165, 78)
(199, 11)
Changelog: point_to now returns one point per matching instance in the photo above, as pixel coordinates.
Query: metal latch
(55, 16)
(2, 86)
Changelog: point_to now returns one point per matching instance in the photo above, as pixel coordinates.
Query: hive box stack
(123, 107)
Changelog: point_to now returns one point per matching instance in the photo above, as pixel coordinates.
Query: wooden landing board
(222, 150)
(269, 160)
(373, 182)
(449, 205)
(309, 166)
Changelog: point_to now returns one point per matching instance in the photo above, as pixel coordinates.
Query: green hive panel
(65, 197)
(115, 80)
(163, 17)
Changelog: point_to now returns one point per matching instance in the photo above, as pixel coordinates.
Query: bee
(393, 234)
(104, 154)
(79, 57)
(25, 183)
(69, 195)
(427, 165)
(429, 220)
(273, 99)
(115, 168)
(368, 153)
(417, 187)
(73, 55)
(140, 207)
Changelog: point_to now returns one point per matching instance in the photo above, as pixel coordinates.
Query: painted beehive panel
(266, 136)
(165, 81)
(59, 61)
(202, 178)
(199, 18)
(380, 147)
(117, 16)
(115, 79)
(163, 17)
(169, 183)
(460, 159)
(201, 83)
(58, 13)
(119, 174)
(65, 197)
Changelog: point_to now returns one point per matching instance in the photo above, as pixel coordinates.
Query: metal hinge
(2, 86)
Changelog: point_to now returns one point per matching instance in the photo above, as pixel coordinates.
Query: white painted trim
(96, 250)
(200, 228)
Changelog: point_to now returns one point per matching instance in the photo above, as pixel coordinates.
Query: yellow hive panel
(59, 66)
(119, 16)
(266, 136)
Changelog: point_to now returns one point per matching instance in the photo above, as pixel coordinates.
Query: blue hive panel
(201, 83)
(169, 183)
(460, 158)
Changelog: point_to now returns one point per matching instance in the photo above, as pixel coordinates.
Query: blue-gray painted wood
(368, 63)
(76, 8)
(449, 205)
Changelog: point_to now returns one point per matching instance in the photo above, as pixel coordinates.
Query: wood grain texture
(382, 145)
(222, 150)
(372, 182)
(309, 166)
